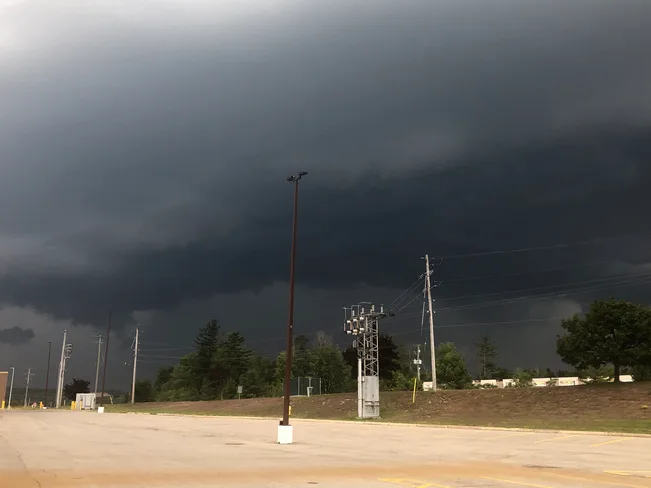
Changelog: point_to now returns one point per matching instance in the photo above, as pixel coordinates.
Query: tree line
(612, 338)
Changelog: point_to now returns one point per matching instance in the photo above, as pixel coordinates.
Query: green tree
(258, 380)
(390, 359)
(301, 361)
(77, 385)
(641, 372)
(206, 344)
(486, 353)
(451, 370)
(230, 361)
(612, 332)
(163, 376)
(144, 391)
(522, 378)
(328, 364)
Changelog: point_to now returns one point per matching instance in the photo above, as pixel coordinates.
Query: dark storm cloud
(146, 148)
(16, 335)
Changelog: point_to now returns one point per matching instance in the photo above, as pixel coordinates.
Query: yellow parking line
(508, 435)
(595, 481)
(615, 441)
(521, 483)
(555, 439)
(412, 483)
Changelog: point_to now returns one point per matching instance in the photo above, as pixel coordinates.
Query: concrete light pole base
(285, 434)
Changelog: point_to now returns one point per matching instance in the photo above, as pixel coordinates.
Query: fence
(304, 386)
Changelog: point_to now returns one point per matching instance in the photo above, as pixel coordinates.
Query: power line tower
(363, 323)
(29, 375)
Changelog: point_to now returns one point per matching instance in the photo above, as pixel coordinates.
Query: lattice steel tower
(363, 323)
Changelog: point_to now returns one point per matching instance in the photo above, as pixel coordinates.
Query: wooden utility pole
(432, 345)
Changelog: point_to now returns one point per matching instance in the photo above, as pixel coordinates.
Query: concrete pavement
(56, 449)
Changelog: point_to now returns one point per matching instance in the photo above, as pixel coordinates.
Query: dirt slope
(600, 407)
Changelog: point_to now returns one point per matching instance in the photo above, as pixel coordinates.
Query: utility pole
(418, 362)
(135, 362)
(29, 375)
(285, 432)
(47, 374)
(432, 344)
(57, 403)
(108, 335)
(11, 387)
(99, 355)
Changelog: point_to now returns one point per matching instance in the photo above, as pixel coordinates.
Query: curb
(405, 424)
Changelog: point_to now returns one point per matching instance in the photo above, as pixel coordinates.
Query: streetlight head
(294, 178)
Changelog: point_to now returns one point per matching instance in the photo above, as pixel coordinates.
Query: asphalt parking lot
(49, 449)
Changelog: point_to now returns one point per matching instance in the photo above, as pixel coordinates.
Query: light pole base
(285, 434)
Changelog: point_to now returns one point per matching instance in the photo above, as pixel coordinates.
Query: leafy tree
(163, 376)
(328, 364)
(487, 353)
(301, 361)
(350, 356)
(451, 370)
(641, 372)
(258, 380)
(206, 344)
(389, 357)
(77, 385)
(230, 361)
(144, 391)
(611, 332)
(522, 378)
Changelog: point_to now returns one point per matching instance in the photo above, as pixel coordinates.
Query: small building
(85, 401)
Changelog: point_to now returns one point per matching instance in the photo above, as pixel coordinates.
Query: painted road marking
(615, 441)
(512, 482)
(412, 483)
(556, 439)
(641, 474)
(509, 435)
(593, 481)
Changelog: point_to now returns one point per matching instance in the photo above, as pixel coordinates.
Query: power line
(541, 248)
(546, 270)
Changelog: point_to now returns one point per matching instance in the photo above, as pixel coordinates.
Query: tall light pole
(285, 434)
(47, 375)
(11, 387)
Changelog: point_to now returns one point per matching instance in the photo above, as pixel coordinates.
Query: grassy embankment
(620, 408)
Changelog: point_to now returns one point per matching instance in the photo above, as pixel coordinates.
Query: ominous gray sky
(145, 146)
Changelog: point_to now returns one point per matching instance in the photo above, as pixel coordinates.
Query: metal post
(11, 386)
(290, 322)
(432, 344)
(135, 363)
(47, 374)
(99, 356)
(360, 396)
(108, 335)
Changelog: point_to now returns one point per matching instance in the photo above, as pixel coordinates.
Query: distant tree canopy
(77, 385)
(612, 332)
(451, 370)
